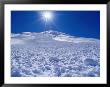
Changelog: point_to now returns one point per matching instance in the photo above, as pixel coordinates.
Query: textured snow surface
(54, 54)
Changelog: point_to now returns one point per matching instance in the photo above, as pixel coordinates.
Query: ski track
(42, 56)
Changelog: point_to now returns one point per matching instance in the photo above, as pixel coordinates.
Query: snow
(17, 41)
(54, 54)
(73, 39)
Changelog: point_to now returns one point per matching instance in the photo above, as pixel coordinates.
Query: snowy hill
(53, 53)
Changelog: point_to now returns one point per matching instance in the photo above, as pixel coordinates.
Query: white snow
(16, 41)
(14, 35)
(73, 39)
(54, 54)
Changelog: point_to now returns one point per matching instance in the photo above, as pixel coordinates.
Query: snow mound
(52, 32)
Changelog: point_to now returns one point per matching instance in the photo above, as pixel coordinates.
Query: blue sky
(76, 23)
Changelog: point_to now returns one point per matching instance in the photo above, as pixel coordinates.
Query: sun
(47, 15)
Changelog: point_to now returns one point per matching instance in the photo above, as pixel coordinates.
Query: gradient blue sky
(76, 23)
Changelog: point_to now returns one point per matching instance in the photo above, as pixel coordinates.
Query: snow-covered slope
(53, 53)
(74, 40)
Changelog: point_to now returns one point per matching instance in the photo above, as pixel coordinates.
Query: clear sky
(76, 23)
